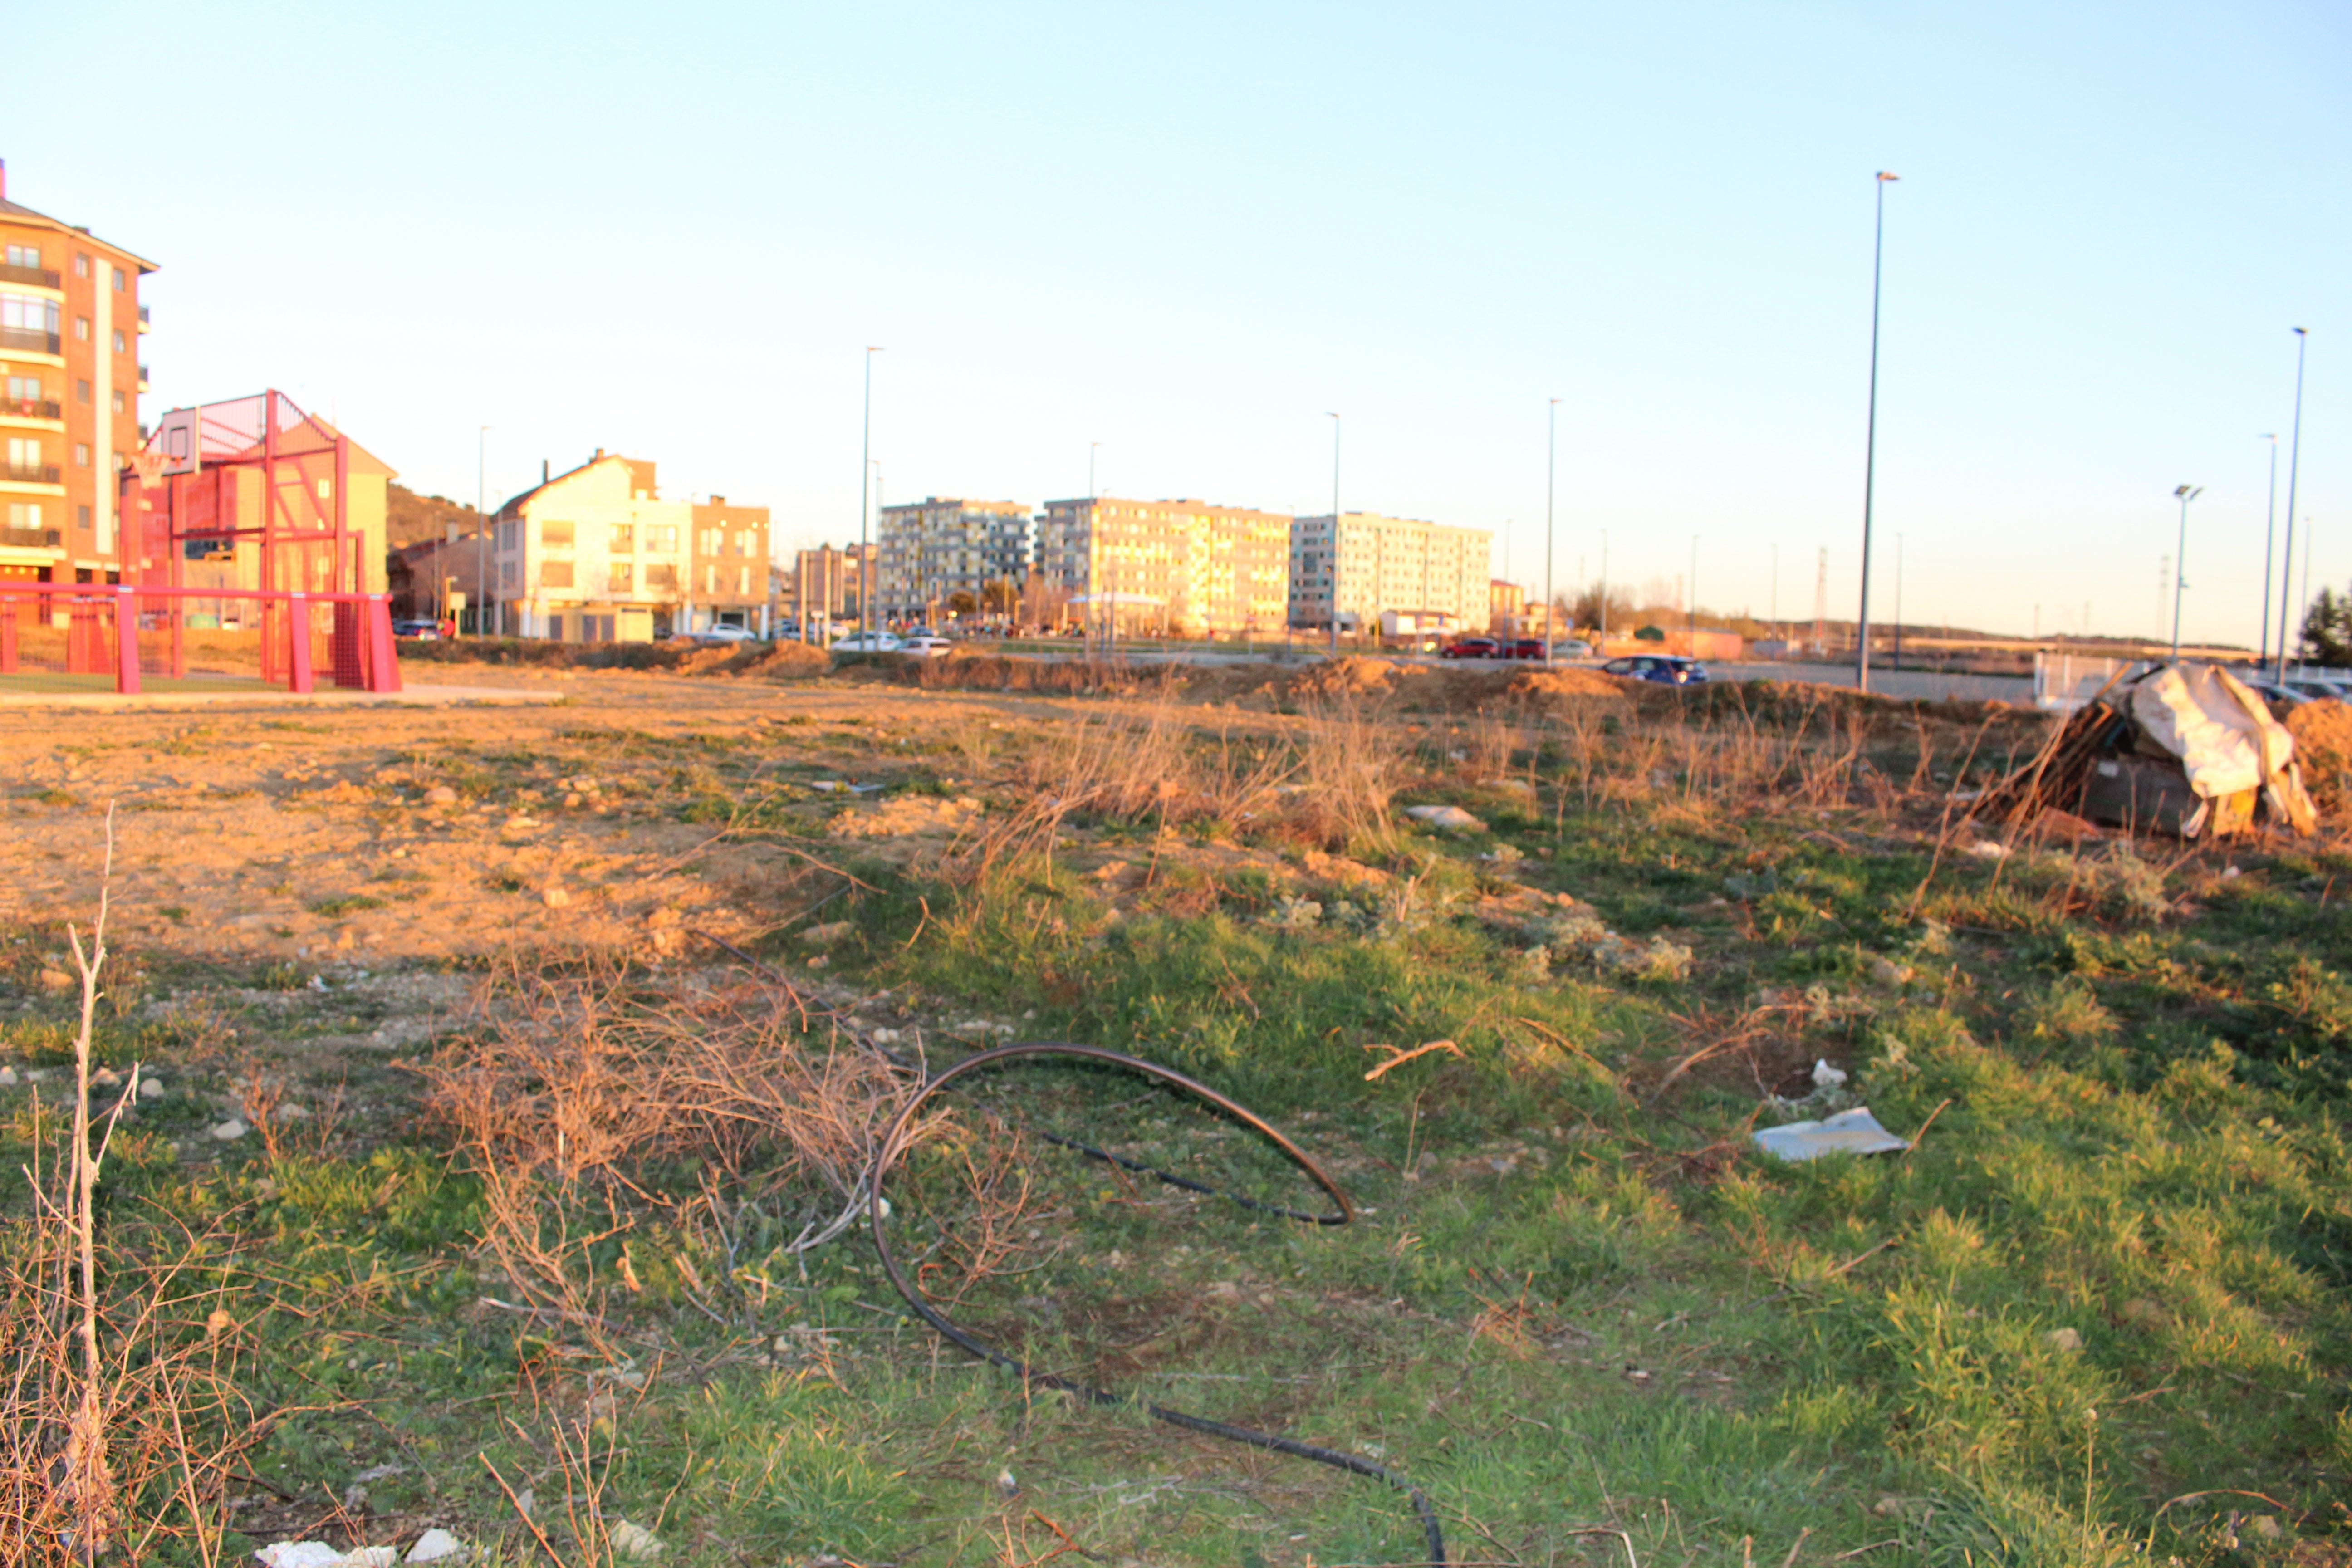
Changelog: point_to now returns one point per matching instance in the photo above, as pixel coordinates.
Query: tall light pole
(1604, 649)
(2186, 493)
(1775, 596)
(1335, 530)
(1870, 448)
(1552, 487)
(2294, 464)
(2269, 521)
(1092, 447)
(866, 500)
(1690, 619)
(481, 537)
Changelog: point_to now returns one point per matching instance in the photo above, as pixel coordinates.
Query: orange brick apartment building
(69, 328)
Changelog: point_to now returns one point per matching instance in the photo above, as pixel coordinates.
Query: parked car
(1571, 648)
(870, 642)
(1472, 648)
(924, 646)
(725, 634)
(911, 632)
(429, 631)
(1666, 669)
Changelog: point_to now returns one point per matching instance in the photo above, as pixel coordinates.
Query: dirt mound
(1350, 676)
(1564, 683)
(2323, 730)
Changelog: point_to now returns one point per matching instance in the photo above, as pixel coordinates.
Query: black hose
(892, 1147)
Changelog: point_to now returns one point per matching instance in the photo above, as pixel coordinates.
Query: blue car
(1665, 668)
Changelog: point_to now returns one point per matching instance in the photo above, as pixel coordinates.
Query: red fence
(134, 638)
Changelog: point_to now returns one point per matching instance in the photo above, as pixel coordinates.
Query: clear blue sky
(1187, 231)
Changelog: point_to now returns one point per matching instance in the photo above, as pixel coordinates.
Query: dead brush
(577, 1089)
(120, 1417)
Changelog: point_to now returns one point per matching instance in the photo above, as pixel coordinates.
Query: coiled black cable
(893, 1146)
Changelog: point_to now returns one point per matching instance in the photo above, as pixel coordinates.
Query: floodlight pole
(2270, 523)
(1552, 473)
(2294, 465)
(866, 502)
(1870, 450)
(2186, 493)
(1335, 531)
(481, 539)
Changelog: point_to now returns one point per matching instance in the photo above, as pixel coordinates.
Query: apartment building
(1364, 563)
(727, 577)
(1187, 566)
(1505, 607)
(829, 584)
(70, 327)
(933, 550)
(592, 555)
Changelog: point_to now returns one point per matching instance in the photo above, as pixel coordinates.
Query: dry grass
(577, 1089)
(119, 1414)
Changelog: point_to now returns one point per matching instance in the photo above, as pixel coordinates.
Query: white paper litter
(1855, 1132)
(437, 1545)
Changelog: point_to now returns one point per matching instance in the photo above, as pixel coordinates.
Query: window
(23, 256)
(620, 578)
(555, 574)
(24, 389)
(118, 408)
(81, 517)
(24, 514)
(118, 341)
(555, 535)
(29, 313)
(81, 390)
(120, 282)
(710, 579)
(660, 575)
(624, 538)
(24, 452)
(81, 328)
(662, 536)
(508, 577)
(81, 265)
(81, 454)
(742, 582)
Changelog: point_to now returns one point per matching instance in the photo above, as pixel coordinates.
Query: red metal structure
(240, 563)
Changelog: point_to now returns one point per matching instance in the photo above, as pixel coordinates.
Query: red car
(1527, 647)
(1472, 648)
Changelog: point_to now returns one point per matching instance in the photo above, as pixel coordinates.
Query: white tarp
(2226, 739)
(1855, 1132)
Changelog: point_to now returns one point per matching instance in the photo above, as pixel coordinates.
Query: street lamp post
(2294, 465)
(1690, 611)
(865, 502)
(2186, 493)
(482, 538)
(1551, 472)
(1870, 448)
(2270, 523)
(1335, 530)
(1898, 604)
(1603, 650)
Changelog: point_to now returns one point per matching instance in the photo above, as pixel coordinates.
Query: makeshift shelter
(2177, 747)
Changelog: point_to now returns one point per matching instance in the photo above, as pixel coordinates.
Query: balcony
(38, 276)
(142, 378)
(142, 319)
(30, 473)
(30, 408)
(32, 339)
(30, 539)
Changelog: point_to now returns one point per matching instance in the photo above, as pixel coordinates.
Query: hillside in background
(410, 518)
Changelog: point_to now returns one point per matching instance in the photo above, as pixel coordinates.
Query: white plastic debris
(319, 1554)
(1855, 1132)
(1452, 817)
(232, 1129)
(1826, 1076)
(635, 1542)
(437, 1545)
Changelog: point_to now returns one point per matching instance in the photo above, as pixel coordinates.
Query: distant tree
(961, 602)
(2327, 630)
(1586, 611)
(999, 595)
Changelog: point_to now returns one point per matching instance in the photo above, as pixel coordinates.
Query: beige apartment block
(727, 577)
(1373, 563)
(827, 584)
(594, 555)
(1185, 565)
(932, 551)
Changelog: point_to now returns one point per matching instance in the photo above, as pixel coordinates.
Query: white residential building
(1373, 563)
(594, 555)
